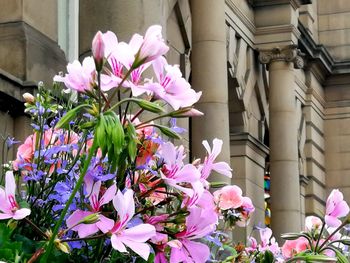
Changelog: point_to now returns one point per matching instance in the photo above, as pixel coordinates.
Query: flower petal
(21, 213)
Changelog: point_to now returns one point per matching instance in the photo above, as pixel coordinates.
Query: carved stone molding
(288, 54)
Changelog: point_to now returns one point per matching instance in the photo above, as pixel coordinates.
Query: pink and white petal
(4, 204)
(187, 191)
(119, 204)
(124, 204)
(85, 230)
(217, 146)
(75, 217)
(189, 173)
(117, 244)
(139, 233)
(158, 67)
(108, 195)
(137, 90)
(179, 255)
(10, 184)
(109, 82)
(130, 202)
(111, 41)
(105, 224)
(199, 252)
(332, 221)
(5, 216)
(142, 249)
(135, 42)
(341, 209)
(21, 213)
(222, 168)
(95, 192)
(206, 146)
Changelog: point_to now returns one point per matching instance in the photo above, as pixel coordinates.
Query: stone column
(209, 75)
(285, 186)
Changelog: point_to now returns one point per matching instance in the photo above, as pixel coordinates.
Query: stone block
(334, 21)
(335, 38)
(334, 6)
(28, 54)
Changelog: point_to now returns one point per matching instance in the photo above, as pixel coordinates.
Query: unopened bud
(63, 246)
(28, 98)
(90, 219)
(98, 50)
(186, 112)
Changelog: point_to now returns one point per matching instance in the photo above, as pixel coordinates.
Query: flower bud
(186, 112)
(98, 50)
(28, 98)
(90, 219)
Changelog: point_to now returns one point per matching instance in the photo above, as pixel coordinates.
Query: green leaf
(167, 131)
(341, 258)
(268, 257)
(70, 115)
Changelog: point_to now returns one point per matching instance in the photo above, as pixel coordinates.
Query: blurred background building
(274, 75)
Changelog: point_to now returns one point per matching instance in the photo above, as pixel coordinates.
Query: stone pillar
(209, 75)
(285, 186)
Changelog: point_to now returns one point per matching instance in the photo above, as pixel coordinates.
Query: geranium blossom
(336, 207)
(8, 205)
(133, 237)
(174, 173)
(171, 86)
(80, 77)
(93, 192)
(229, 196)
(152, 45)
(209, 165)
(199, 223)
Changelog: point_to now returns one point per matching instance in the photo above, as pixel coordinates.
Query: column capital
(289, 54)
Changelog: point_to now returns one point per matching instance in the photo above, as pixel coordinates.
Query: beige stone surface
(41, 15)
(10, 11)
(334, 21)
(334, 6)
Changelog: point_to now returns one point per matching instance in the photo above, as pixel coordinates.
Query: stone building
(274, 75)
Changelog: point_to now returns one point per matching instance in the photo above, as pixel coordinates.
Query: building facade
(275, 77)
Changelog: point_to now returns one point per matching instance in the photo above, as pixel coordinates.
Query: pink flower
(8, 205)
(336, 208)
(98, 50)
(267, 241)
(174, 173)
(247, 209)
(171, 86)
(209, 165)
(134, 237)
(253, 245)
(292, 247)
(228, 197)
(199, 223)
(312, 223)
(93, 192)
(153, 45)
(80, 77)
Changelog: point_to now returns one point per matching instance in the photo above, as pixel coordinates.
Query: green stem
(84, 238)
(331, 235)
(319, 236)
(70, 200)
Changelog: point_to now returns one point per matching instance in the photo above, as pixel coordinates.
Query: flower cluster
(323, 240)
(99, 181)
(234, 208)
